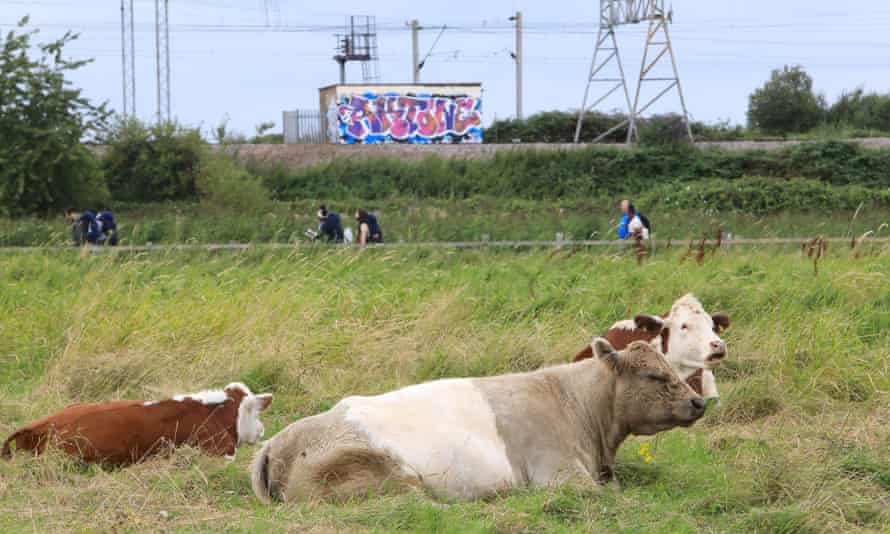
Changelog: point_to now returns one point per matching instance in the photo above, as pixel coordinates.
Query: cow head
(248, 425)
(690, 337)
(649, 396)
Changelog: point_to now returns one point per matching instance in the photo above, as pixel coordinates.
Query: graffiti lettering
(371, 118)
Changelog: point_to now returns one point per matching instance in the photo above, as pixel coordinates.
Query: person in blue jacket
(369, 230)
(107, 226)
(632, 222)
(85, 227)
(329, 225)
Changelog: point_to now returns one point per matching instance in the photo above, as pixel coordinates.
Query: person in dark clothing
(107, 226)
(369, 230)
(84, 227)
(329, 225)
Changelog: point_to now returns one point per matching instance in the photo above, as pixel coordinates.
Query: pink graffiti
(405, 118)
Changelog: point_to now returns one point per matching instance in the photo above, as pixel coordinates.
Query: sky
(245, 61)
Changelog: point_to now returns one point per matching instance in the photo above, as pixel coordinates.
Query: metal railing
(303, 127)
(447, 244)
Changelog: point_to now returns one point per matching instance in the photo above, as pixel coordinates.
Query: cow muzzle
(718, 352)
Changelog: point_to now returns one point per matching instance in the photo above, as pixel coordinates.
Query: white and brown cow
(687, 335)
(473, 437)
(127, 431)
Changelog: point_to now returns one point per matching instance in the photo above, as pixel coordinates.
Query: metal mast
(359, 43)
(658, 24)
(614, 13)
(128, 59)
(162, 58)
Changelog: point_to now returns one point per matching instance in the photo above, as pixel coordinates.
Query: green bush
(786, 103)
(762, 195)
(151, 163)
(226, 185)
(559, 127)
(594, 172)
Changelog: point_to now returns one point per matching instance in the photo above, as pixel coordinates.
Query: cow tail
(263, 486)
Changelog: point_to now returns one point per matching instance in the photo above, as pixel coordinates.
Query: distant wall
(297, 156)
(406, 113)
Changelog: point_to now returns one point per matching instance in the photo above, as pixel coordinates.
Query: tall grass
(800, 442)
(675, 214)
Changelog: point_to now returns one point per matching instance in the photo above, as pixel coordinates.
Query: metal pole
(132, 62)
(670, 48)
(415, 51)
(167, 51)
(518, 19)
(158, 57)
(124, 56)
(342, 71)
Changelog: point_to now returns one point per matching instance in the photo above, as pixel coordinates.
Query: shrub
(152, 163)
(225, 184)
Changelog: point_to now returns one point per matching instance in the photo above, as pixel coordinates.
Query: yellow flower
(647, 459)
(644, 449)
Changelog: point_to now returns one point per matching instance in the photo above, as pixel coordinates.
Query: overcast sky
(221, 68)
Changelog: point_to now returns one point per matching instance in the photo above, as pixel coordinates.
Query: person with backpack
(329, 225)
(85, 227)
(107, 227)
(369, 230)
(632, 222)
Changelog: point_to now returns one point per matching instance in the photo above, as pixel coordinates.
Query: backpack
(645, 221)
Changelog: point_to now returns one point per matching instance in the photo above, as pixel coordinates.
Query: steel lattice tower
(614, 13)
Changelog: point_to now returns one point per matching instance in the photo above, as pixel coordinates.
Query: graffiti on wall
(394, 118)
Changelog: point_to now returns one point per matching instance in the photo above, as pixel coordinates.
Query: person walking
(632, 222)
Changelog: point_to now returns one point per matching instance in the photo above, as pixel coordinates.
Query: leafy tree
(44, 121)
(786, 103)
(869, 111)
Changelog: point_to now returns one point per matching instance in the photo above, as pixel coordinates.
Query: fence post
(297, 122)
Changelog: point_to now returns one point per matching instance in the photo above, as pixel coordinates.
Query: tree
(786, 103)
(44, 121)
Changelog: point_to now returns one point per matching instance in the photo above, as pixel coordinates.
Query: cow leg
(709, 385)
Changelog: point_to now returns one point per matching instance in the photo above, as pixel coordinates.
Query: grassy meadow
(416, 220)
(800, 443)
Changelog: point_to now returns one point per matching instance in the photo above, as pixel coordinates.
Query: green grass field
(413, 220)
(801, 442)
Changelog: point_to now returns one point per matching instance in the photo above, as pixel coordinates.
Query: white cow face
(693, 339)
(249, 427)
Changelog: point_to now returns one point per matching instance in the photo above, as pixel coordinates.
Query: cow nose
(698, 403)
(718, 348)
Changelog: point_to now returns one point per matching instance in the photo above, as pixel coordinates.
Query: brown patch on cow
(648, 328)
(695, 381)
(721, 322)
(124, 432)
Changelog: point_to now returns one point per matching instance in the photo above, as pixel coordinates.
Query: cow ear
(264, 400)
(649, 323)
(721, 321)
(603, 350)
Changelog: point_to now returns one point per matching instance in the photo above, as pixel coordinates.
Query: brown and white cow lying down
(127, 431)
(688, 337)
(472, 437)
